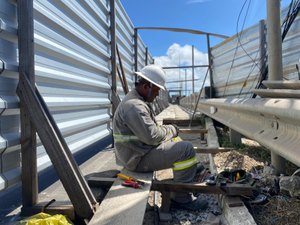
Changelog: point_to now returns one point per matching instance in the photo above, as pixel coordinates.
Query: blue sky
(226, 17)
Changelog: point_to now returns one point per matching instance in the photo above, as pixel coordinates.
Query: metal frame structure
(182, 30)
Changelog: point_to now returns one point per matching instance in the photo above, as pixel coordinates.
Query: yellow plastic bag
(46, 219)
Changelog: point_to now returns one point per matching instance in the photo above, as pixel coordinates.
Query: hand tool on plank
(131, 183)
(125, 177)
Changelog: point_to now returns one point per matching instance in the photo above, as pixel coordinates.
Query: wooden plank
(181, 122)
(115, 99)
(60, 157)
(113, 42)
(192, 131)
(65, 146)
(104, 182)
(88, 168)
(211, 150)
(124, 79)
(120, 78)
(124, 205)
(57, 207)
(228, 189)
(28, 132)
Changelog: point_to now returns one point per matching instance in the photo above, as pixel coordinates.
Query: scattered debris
(291, 184)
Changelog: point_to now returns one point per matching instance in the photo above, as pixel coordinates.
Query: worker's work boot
(196, 204)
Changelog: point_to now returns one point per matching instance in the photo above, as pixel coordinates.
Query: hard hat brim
(146, 78)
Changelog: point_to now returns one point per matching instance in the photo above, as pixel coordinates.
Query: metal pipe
(193, 68)
(274, 40)
(210, 66)
(275, 60)
(183, 67)
(146, 56)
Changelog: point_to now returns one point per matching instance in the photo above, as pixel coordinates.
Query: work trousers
(164, 157)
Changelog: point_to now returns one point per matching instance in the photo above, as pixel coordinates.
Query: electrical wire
(293, 11)
(253, 60)
(239, 34)
(291, 15)
(199, 96)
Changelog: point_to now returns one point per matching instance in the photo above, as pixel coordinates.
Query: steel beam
(274, 123)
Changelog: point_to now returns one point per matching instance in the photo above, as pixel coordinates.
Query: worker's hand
(177, 129)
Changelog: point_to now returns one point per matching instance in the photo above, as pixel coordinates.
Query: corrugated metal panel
(125, 42)
(236, 64)
(290, 49)
(141, 53)
(230, 75)
(72, 68)
(9, 112)
(73, 73)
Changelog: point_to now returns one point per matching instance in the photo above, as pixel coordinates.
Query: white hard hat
(154, 74)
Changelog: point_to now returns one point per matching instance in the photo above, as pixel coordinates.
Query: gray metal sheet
(73, 73)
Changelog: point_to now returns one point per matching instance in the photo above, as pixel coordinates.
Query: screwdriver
(125, 177)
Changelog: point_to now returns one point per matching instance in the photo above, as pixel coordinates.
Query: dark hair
(141, 81)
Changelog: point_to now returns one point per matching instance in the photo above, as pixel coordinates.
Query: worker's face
(152, 92)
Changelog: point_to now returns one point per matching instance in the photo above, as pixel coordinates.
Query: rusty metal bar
(182, 30)
(113, 52)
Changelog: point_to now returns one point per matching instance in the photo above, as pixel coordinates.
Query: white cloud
(178, 55)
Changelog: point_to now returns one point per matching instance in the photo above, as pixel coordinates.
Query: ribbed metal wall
(73, 73)
(72, 68)
(290, 49)
(236, 61)
(125, 42)
(236, 64)
(9, 111)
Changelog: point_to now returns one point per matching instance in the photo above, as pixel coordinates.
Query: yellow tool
(125, 177)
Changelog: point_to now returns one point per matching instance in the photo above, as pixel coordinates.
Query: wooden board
(181, 122)
(228, 189)
(124, 205)
(211, 150)
(58, 151)
(28, 132)
(56, 190)
(192, 131)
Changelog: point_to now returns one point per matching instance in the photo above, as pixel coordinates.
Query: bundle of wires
(293, 11)
(290, 17)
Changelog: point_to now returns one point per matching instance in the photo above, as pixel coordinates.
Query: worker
(142, 145)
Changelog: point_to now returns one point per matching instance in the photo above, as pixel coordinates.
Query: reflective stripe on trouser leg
(184, 169)
(182, 165)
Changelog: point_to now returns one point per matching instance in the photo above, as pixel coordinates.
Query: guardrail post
(275, 61)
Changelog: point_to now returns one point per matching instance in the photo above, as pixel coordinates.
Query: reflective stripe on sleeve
(184, 164)
(125, 138)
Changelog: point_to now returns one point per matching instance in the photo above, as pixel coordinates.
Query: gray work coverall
(141, 145)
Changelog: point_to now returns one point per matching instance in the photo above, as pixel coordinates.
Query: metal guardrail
(275, 123)
(271, 121)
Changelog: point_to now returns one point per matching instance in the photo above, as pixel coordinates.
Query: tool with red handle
(131, 183)
(125, 177)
